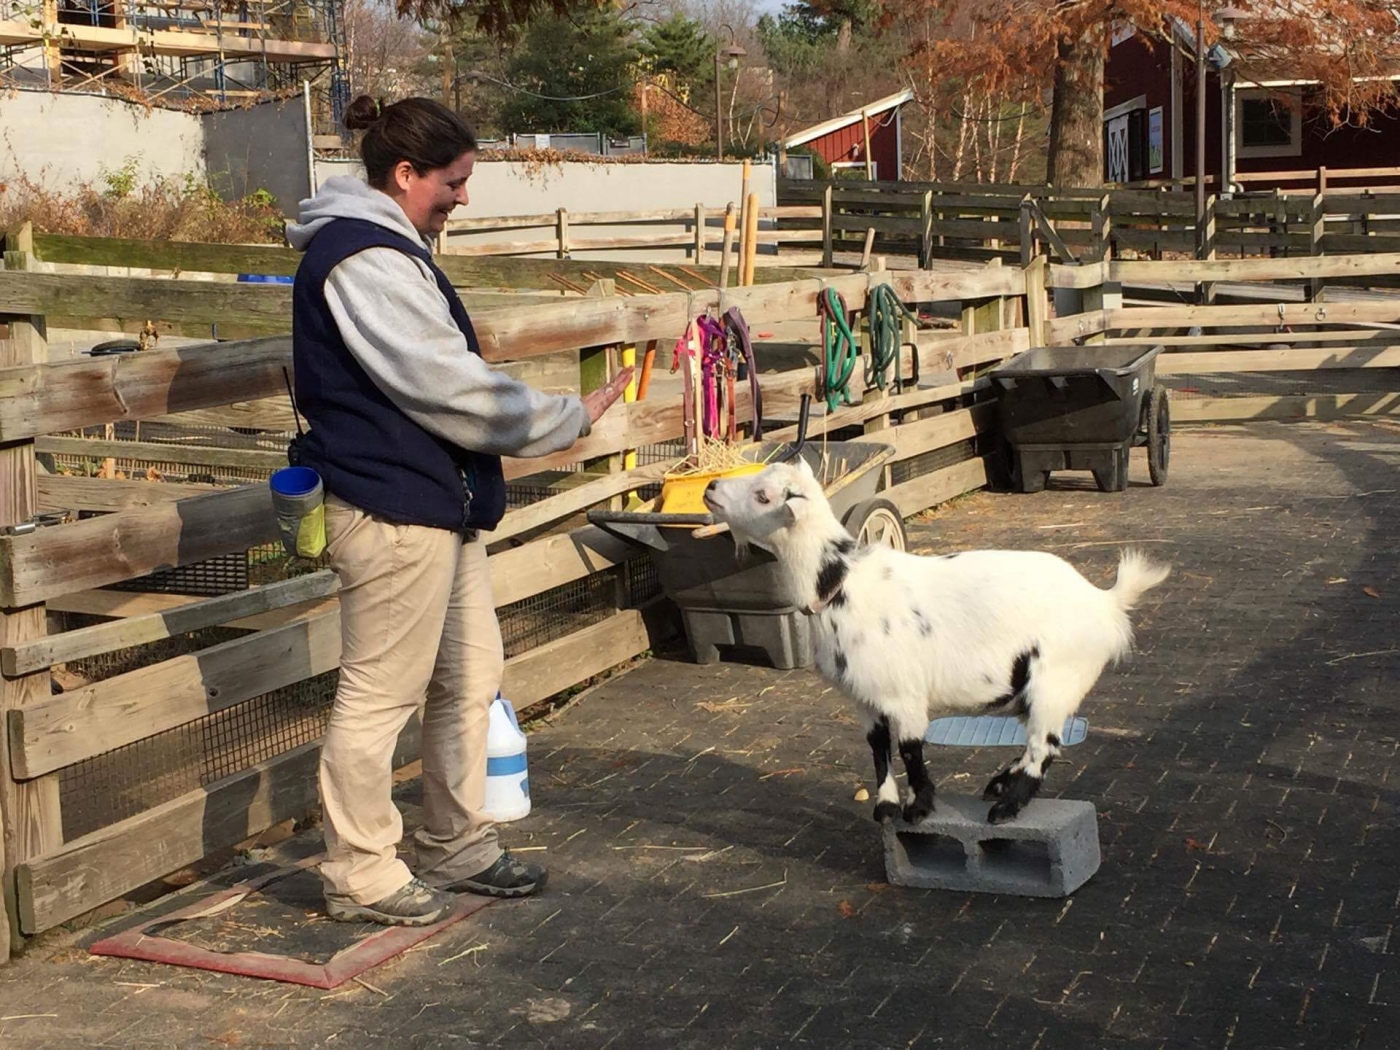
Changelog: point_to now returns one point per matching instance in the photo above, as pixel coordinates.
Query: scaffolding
(205, 53)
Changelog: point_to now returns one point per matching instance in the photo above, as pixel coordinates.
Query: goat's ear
(796, 506)
(801, 463)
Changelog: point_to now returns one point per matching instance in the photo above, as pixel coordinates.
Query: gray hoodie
(397, 324)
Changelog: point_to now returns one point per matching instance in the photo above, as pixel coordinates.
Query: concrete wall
(60, 141)
(513, 188)
(261, 148)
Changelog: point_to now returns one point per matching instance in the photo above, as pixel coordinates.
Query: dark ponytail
(425, 133)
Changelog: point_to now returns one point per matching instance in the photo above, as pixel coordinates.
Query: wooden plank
(548, 511)
(121, 634)
(1362, 337)
(102, 865)
(1287, 314)
(264, 307)
(492, 272)
(925, 435)
(72, 726)
(1079, 277)
(60, 492)
(43, 399)
(527, 570)
(939, 486)
(1060, 331)
(1279, 360)
(1294, 407)
(1255, 269)
(158, 452)
(84, 554)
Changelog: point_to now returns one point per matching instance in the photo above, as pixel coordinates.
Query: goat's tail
(1136, 576)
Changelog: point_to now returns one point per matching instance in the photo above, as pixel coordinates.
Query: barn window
(1269, 124)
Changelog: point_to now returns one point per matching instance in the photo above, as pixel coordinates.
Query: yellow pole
(750, 240)
(629, 394)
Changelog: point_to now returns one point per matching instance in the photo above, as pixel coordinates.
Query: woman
(407, 427)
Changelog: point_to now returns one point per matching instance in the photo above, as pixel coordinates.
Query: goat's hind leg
(1016, 785)
(877, 735)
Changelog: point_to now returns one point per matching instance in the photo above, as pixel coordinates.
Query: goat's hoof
(916, 811)
(994, 790)
(886, 812)
(1003, 812)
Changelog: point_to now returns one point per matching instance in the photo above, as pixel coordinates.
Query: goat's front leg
(877, 735)
(910, 733)
(1016, 785)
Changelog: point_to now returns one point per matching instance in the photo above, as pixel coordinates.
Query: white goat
(904, 635)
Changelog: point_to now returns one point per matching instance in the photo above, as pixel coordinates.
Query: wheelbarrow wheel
(1159, 435)
(877, 522)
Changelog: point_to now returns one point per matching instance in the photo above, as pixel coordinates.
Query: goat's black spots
(879, 740)
(829, 580)
(1053, 738)
(887, 574)
(949, 557)
(1013, 701)
(997, 786)
(922, 623)
(839, 662)
(1017, 790)
(845, 545)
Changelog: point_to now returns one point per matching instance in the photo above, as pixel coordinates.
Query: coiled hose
(887, 313)
(839, 350)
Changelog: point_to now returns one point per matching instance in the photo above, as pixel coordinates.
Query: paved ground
(715, 885)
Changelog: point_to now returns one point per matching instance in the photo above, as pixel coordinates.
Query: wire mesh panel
(936, 459)
(555, 613)
(128, 780)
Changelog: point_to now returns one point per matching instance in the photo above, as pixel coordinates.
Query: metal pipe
(1200, 129)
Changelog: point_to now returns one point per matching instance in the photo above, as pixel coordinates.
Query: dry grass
(167, 209)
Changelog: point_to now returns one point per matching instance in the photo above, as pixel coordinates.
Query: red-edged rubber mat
(280, 909)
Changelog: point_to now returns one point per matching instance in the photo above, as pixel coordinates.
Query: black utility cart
(1082, 408)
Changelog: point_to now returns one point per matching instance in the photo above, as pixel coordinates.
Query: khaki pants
(417, 621)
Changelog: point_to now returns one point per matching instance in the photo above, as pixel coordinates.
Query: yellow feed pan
(682, 493)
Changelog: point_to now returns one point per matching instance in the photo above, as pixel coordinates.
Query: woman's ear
(402, 176)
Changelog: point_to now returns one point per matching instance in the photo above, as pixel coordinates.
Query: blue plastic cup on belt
(298, 500)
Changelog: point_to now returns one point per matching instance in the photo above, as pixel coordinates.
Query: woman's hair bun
(361, 113)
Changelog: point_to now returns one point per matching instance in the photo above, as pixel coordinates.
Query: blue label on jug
(506, 765)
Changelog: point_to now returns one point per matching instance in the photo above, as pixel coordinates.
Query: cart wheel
(877, 522)
(1159, 435)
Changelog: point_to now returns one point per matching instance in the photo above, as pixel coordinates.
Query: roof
(875, 108)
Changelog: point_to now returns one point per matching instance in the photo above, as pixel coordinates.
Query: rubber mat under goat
(273, 927)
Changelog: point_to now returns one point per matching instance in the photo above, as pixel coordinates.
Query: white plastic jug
(507, 780)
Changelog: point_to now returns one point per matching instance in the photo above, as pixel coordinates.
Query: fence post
(1321, 180)
(826, 227)
(726, 245)
(1028, 251)
(1207, 249)
(1317, 227)
(699, 234)
(926, 237)
(29, 810)
(1036, 305)
(561, 230)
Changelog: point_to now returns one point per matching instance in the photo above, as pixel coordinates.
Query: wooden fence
(698, 230)
(945, 221)
(188, 668)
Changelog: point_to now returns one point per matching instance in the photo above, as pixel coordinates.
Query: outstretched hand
(600, 400)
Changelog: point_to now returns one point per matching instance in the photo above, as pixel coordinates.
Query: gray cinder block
(1049, 850)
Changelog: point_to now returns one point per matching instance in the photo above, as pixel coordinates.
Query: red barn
(840, 142)
(1257, 123)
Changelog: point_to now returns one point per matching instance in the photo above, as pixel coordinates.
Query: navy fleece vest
(367, 451)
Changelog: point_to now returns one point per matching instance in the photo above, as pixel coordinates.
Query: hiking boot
(416, 904)
(508, 877)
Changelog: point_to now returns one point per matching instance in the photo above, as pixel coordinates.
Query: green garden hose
(887, 313)
(839, 350)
